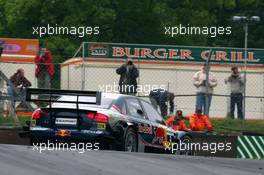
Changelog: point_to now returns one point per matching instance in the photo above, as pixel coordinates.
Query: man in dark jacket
(159, 97)
(20, 82)
(128, 78)
(237, 85)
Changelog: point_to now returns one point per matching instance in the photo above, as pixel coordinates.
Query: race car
(116, 121)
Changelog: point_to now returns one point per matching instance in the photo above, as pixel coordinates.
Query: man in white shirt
(203, 90)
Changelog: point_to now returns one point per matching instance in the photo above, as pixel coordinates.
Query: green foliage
(9, 121)
(238, 126)
(130, 21)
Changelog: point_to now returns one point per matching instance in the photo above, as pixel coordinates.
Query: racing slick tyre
(130, 141)
(186, 150)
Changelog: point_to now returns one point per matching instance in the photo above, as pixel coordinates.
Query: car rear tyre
(130, 141)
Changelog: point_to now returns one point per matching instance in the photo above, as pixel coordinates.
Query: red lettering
(173, 54)
(145, 52)
(186, 54)
(239, 56)
(251, 57)
(118, 52)
(233, 56)
(156, 53)
(221, 55)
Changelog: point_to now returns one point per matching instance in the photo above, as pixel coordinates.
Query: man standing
(128, 78)
(159, 97)
(45, 69)
(237, 84)
(204, 88)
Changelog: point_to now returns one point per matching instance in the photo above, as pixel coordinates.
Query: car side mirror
(140, 112)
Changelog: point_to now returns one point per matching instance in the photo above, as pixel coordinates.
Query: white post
(245, 69)
(82, 69)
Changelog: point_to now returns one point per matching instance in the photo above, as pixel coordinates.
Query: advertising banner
(171, 53)
(19, 50)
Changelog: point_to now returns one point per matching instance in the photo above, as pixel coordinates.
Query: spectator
(202, 90)
(128, 78)
(159, 97)
(199, 122)
(177, 123)
(20, 82)
(45, 68)
(237, 84)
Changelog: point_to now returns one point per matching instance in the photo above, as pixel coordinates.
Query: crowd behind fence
(178, 80)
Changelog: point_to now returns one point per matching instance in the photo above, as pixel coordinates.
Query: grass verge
(9, 121)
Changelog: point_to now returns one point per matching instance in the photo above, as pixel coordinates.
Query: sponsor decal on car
(91, 132)
(66, 121)
(63, 133)
(160, 136)
(145, 128)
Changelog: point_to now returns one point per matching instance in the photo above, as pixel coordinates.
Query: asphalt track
(22, 160)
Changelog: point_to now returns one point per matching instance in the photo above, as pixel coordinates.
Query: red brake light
(36, 114)
(101, 118)
(90, 115)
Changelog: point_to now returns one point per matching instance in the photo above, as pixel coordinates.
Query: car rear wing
(52, 95)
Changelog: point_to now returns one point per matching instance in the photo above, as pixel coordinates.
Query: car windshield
(106, 101)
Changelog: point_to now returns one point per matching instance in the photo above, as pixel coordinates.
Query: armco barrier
(251, 147)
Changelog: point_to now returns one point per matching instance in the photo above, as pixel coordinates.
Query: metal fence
(80, 75)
